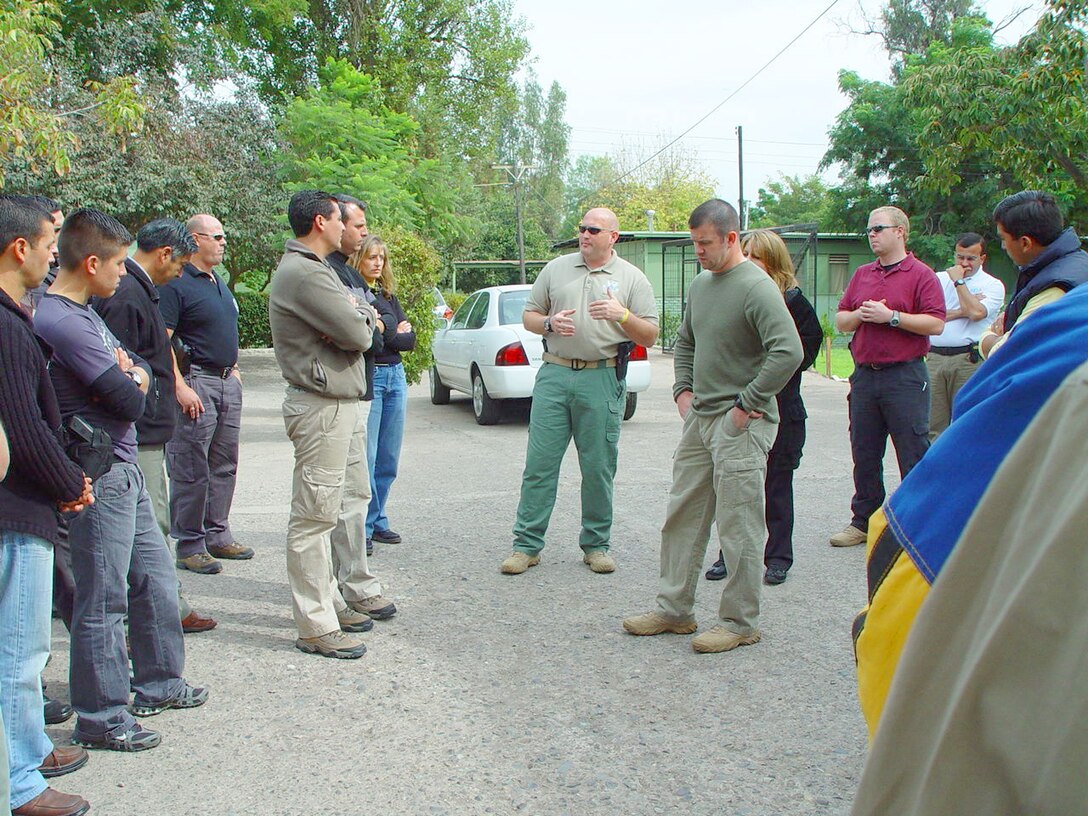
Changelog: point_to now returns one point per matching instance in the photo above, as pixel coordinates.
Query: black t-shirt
(199, 307)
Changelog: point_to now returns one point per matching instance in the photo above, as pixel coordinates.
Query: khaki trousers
(717, 477)
(320, 430)
(349, 560)
(947, 375)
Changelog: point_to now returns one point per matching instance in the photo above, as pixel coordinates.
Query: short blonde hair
(896, 217)
(770, 250)
(388, 284)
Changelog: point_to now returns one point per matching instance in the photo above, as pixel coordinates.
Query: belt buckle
(578, 365)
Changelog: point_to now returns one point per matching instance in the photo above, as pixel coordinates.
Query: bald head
(604, 217)
(597, 232)
(211, 241)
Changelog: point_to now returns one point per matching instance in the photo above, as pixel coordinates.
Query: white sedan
(485, 352)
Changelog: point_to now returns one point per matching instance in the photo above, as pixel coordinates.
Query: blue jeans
(26, 593)
(122, 565)
(384, 434)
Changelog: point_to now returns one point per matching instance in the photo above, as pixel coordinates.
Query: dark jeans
(892, 401)
(121, 565)
(202, 460)
(784, 459)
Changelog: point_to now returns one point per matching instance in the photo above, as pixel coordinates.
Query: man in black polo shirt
(163, 246)
(202, 457)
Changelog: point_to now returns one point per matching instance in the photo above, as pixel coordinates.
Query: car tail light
(638, 353)
(448, 313)
(512, 355)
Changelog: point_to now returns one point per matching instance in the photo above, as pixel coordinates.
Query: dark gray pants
(121, 565)
(202, 460)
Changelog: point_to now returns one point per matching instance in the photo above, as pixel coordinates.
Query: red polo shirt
(910, 286)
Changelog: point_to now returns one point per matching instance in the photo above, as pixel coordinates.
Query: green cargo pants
(588, 405)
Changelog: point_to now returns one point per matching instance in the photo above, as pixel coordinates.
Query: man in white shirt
(972, 299)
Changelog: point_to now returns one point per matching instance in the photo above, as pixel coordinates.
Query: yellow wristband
(626, 314)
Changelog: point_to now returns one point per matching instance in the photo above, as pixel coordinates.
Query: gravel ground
(507, 694)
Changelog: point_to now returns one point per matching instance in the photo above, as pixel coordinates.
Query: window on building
(838, 273)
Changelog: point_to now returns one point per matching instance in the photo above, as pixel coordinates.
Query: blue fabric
(933, 504)
(26, 582)
(384, 434)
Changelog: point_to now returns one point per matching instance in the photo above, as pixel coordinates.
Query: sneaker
(386, 537)
(56, 711)
(351, 620)
(332, 644)
(849, 537)
(188, 697)
(377, 606)
(54, 803)
(720, 639)
(518, 562)
(717, 571)
(200, 562)
(599, 561)
(774, 576)
(232, 552)
(654, 623)
(136, 738)
(195, 622)
(63, 760)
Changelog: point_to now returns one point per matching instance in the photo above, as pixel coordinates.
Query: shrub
(253, 328)
(455, 299)
(416, 265)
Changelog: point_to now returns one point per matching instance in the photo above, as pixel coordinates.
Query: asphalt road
(507, 694)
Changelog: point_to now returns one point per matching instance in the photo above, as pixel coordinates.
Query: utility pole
(740, 178)
(516, 173)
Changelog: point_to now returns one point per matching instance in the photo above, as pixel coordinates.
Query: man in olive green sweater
(737, 347)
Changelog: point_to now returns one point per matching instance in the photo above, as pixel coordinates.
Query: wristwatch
(894, 322)
(547, 325)
(135, 375)
(960, 282)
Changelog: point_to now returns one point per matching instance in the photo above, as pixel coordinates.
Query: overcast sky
(637, 74)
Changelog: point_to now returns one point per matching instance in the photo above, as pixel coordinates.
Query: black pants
(784, 459)
(892, 401)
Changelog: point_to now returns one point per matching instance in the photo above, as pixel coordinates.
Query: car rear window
(511, 306)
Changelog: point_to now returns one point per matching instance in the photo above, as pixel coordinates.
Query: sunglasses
(879, 228)
(219, 236)
(591, 230)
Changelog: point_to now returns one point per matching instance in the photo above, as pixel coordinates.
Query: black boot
(717, 571)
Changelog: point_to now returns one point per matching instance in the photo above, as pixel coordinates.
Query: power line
(717, 107)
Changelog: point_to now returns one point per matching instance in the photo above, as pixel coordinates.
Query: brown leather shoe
(63, 760)
(195, 622)
(232, 552)
(53, 803)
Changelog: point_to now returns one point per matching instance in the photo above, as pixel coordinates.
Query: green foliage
(415, 266)
(455, 299)
(791, 200)
(253, 328)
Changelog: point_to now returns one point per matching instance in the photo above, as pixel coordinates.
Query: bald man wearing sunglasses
(586, 305)
(893, 306)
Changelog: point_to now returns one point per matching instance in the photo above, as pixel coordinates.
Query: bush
(415, 265)
(455, 299)
(253, 328)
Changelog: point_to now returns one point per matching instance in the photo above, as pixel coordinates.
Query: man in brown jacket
(320, 332)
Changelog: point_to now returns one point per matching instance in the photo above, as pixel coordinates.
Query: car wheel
(629, 408)
(485, 409)
(440, 394)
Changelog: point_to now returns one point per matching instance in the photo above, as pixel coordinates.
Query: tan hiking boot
(333, 644)
(377, 607)
(518, 562)
(720, 639)
(654, 623)
(850, 537)
(599, 561)
(352, 620)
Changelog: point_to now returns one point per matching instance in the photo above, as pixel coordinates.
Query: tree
(792, 200)
(909, 27)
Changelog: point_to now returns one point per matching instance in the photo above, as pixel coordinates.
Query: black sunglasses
(879, 228)
(591, 230)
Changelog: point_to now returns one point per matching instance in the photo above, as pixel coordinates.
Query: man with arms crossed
(585, 304)
(972, 299)
(893, 306)
(736, 348)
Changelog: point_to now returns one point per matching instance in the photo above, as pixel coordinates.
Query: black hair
(50, 204)
(88, 232)
(969, 239)
(23, 217)
(343, 199)
(1032, 213)
(720, 214)
(166, 232)
(305, 206)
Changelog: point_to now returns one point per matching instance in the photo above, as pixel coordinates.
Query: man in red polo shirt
(893, 306)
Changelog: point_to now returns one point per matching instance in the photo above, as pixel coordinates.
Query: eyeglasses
(591, 230)
(879, 228)
(219, 236)
(968, 258)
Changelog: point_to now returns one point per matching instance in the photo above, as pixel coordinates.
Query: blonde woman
(385, 427)
(767, 251)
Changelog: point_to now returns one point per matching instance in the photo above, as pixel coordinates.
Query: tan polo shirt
(568, 283)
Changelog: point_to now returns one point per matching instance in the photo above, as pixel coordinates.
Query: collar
(12, 306)
(300, 248)
(193, 271)
(605, 267)
(1065, 243)
(139, 274)
(906, 265)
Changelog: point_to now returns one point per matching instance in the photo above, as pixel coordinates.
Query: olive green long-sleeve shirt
(737, 339)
